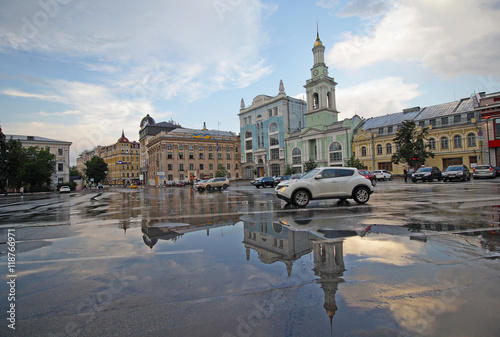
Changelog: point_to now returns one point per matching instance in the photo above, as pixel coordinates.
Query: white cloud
(449, 38)
(375, 98)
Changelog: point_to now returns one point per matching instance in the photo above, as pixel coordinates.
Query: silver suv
(220, 183)
(326, 183)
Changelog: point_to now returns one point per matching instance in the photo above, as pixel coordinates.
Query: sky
(83, 71)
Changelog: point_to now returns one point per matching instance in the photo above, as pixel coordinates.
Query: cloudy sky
(82, 71)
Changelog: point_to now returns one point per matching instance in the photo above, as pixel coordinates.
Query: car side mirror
(319, 176)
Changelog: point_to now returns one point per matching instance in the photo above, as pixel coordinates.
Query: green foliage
(310, 165)
(221, 171)
(96, 168)
(73, 172)
(37, 166)
(71, 184)
(411, 144)
(355, 162)
(289, 170)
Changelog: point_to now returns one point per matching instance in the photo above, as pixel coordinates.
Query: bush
(71, 184)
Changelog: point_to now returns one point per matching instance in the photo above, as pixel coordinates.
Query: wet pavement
(417, 260)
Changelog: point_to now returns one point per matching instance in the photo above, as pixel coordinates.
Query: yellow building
(453, 136)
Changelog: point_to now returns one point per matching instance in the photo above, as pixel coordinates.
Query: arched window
(248, 134)
(273, 127)
(388, 148)
(329, 100)
(444, 143)
(379, 149)
(432, 144)
(457, 141)
(315, 100)
(296, 156)
(471, 140)
(335, 152)
(363, 151)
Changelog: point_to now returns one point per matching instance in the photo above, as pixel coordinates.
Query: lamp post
(373, 135)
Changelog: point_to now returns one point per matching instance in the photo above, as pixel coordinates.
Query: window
(200, 148)
(227, 149)
(210, 156)
(421, 124)
(471, 140)
(273, 127)
(432, 144)
(201, 155)
(249, 119)
(444, 143)
(390, 129)
(270, 112)
(210, 148)
(385, 166)
(210, 167)
(457, 119)
(236, 166)
(249, 157)
(329, 100)
(236, 149)
(180, 147)
(191, 155)
(248, 144)
(181, 155)
(181, 176)
(248, 134)
(363, 151)
(59, 152)
(169, 146)
(444, 121)
(296, 156)
(497, 128)
(273, 140)
(191, 166)
(60, 167)
(219, 155)
(379, 149)
(335, 152)
(275, 109)
(228, 166)
(432, 122)
(470, 115)
(170, 167)
(315, 101)
(201, 167)
(190, 147)
(170, 177)
(228, 156)
(181, 167)
(275, 169)
(380, 131)
(457, 142)
(275, 154)
(169, 155)
(388, 148)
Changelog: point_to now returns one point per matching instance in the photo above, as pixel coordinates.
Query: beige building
(58, 148)
(188, 154)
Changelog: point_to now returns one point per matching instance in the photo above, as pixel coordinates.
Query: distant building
(188, 154)
(489, 109)
(122, 159)
(57, 147)
(263, 126)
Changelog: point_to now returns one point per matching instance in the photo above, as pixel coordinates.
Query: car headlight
(427, 174)
(283, 188)
(460, 173)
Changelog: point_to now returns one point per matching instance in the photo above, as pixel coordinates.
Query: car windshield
(454, 168)
(310, 174)
(424, 169)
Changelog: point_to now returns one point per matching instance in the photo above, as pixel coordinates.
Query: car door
(327, 185)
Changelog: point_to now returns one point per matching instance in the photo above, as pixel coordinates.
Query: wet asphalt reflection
(416, 260)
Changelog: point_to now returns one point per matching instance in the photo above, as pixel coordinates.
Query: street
(419, 259)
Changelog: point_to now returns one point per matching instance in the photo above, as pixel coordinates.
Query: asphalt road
(417, 260)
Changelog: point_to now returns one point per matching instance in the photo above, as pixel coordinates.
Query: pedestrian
(405, 172)
(22, 191)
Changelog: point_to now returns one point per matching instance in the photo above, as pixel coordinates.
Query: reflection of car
(64, 189)
(279, 179)
(459, 172)
(220, 183)
(180, 183)
(263, 182)
(133, 186)
(382, 174)
(100, 186)
(369, 175)
(326, 183)
(427, 174)
(484, 171)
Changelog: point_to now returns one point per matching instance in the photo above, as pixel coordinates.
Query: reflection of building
(187, 154)
(329, 267)
(274, 242)
(57, 147)
(122, 159)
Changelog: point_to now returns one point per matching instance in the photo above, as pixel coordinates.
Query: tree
(355, 162)
(289, 170)
(411, 146)
(73, 172)
(96, 168)
(3, 160)
(221, 171)
(37, 166)
(310, 165)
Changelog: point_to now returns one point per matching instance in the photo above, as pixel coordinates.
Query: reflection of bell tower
(329, 266)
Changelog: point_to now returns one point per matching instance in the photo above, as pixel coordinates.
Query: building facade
(323, 138)
(453, 136)
(57, 147)
(263, 126)
(489, 108)
(189, 154)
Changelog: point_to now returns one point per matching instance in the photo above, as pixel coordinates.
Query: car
(326, 183)
(213, 183)
(427, 174)
(279, 179)
(296, 176)
(263, 182)
(484, 171)
(497, 168)
(369, 175)
(382, 174)
(133, 186)
(64, 189)
(458, 172)
(100, 187)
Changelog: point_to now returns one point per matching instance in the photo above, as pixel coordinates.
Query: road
(417, 260)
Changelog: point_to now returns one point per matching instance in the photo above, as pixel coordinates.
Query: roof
(202, 131)
(392, 119)
(34, 139)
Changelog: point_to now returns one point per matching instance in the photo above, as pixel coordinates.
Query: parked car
(382, 174)
(279, 179)
(427, 174)
(369, 175)
(484, 171)
(497, 168)
(326, 183)
(263, 182)
(456, 172)
(219, 183)
(64, 189)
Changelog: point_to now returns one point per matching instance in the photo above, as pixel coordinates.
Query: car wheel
(220, 188)
(374, 182)
(224, 186)
(209, 187)
(361, 195)
(463, 178)
(301, 198)
(430, 179)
